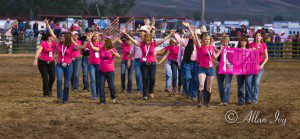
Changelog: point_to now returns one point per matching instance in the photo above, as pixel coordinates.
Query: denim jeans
(129, 77)
(85, 73)
(242, 82)
(224, 82)
(190, 80)
(168, 71)
(63, 94)
(93, 68)
(75, 73)
(255, 80)
(148, 77)
(138, 74)
(174, 67)
(109, 76)
(47, 71)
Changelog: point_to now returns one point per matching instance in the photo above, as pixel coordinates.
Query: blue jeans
(123, 75)
(242, 82)
(148, 76)
(224, 89)
(109, 76)
(75, 73)
(255, 80)
(190, 80)
(85, 72)
(93, 68)
(138, 74)
(63, 94)
(168, 71)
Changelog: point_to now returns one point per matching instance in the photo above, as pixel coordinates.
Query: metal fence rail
(286, 50)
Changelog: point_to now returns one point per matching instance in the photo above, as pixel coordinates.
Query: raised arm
(94, 48)
(88, 39)
(164, 58)
(117, 39)
(153, 23)
(77, 46)
(115, 53)
(166, 38)
(51, 30)
(195, 39)
(123, 31)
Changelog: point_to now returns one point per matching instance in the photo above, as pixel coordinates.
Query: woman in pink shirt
(64, 67)
(94, 61)
(172, 62)
(205, 57)
(76, 61)
(148, 61)
(259, 45)
(45, 62)
(106, 69)
(126, 64)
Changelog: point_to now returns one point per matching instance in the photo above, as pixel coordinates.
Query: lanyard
(147, 50)
(209, 53)
(63, 50)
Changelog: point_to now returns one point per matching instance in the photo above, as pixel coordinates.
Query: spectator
(36, 29)
(28, 30)
(7, 24)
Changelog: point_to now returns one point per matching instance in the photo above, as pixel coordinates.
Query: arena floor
(25, 113)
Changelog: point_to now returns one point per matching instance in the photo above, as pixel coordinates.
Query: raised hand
(123, 30)
(186, 24)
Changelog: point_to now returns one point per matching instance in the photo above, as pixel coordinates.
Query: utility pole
(202, 13)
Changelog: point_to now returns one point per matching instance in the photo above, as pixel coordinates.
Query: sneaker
(225, 104)
(102, 102)
(85, 91)
(152, 96)
(75, 91)
(93, 98)
(139, 94)
(145, 98)
(114, 100)
(241, 103)
(248, 102)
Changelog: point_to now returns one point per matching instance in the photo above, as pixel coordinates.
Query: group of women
(190, 59)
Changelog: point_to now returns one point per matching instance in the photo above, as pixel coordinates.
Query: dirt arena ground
(24, 113)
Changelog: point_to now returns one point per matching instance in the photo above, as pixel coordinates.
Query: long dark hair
(244, 39)
(68, 40)
(262, 37)
(188, 51)
(45, 36)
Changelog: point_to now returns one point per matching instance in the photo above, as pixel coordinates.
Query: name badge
(97, 54)
(144, 59)
(50, 54)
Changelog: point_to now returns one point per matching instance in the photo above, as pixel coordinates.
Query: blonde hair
(147, 39)
(108, 44)
(224, 38)
(204, 37)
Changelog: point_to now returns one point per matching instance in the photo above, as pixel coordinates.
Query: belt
(48, 62)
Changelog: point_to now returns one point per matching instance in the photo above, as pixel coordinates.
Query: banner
(239, 61)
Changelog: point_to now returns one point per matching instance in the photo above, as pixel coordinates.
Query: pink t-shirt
(106, 60)
(76, 53)
(150, 57)
(261, 48)
(173, 52)
(47, 53)
(125, 51)
(205, 56)
(94, 56)
(68, 53)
